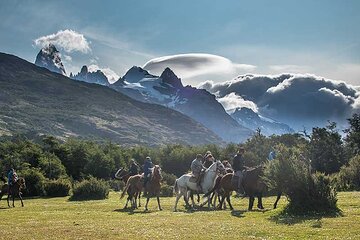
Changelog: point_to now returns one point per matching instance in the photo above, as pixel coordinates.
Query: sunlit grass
(59, 218)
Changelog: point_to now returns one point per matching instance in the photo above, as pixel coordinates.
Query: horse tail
(126, 188)
(176, 188)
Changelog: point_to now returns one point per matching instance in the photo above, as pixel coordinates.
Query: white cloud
(232, 101)
(68, 40)
(192, 65)
(109, 73)
(67, 58)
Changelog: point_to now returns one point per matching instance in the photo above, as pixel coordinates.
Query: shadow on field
(132, 211)
(238, 213)
(315, 220)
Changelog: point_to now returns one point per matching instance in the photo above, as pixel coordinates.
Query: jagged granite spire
(169, 77)
(49, 58)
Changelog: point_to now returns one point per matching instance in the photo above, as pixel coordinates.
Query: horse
(252, 184)
(124, 175)
(133, 188)
(15, 190)
(152, 187)
(183, 184)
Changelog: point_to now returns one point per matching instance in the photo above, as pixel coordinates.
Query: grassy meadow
(58, 218)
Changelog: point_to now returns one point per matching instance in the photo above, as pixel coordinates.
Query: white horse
(183, 184)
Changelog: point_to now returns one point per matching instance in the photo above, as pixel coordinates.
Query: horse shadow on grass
(314, 219)
(130, 211)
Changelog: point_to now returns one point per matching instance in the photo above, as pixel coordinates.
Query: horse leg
(139, 196)
(260, 205)
(158, 200)
(13, 199)
(277, 199)
(251, 202)
(8, 200)
(198, 197)
(147, 201)
(22, 204)
(228, 201)
(178, 196)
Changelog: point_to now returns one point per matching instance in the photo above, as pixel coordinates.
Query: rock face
(252, 120)
(97, 77)
(34, 100)
(168, 90)
(49, 58)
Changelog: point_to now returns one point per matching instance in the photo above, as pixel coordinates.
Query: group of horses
(217, 184)
(14, 190)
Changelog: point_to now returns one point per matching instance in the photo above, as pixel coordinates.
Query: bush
(117, 185)
(290, 173)
(58, 188)
(90, 189)
(348, 179)
(168, 178)
(34, 180)
(166, 191)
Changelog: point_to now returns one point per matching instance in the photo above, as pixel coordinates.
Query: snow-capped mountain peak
(97, 77)
(50, 58)
(252, 120)
(135, 74)
(169, 77)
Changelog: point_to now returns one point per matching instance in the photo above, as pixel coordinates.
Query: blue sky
(265, 37)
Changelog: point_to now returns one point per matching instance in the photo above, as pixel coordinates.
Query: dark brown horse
(152, 187)
(14, 190)
(252, 184)
(124, 175)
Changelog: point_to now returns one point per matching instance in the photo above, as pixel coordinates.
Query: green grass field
(58, 218)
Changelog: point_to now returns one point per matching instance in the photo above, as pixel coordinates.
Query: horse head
(220, 167)
(156, 172)
(21, 182)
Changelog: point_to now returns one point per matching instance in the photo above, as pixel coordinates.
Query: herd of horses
(217, 184)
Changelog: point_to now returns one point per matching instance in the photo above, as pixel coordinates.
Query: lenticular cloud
(196, 64)
(68, 40)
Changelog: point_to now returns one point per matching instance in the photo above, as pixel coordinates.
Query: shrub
(90, 189)
(349, 176)
(57, 188)
(168, 178)
(117, 185)
(290, 173)
(166, 191)
(34, 180)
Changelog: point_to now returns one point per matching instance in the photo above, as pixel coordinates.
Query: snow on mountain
(168, 90)
(50, 58)
(250, 119)
(97, 77)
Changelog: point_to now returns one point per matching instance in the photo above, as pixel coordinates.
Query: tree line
(324, 150)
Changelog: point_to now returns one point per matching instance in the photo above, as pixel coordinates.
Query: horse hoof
(160, 209)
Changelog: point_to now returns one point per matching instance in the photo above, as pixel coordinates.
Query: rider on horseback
(12, 177)
(197, 168)
(239, 167)
(147, 170)
(134, 168)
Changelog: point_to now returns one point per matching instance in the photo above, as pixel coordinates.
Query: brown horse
(252, 184)
(15, 190)
(152, 187)
(124, 175)
(133, 188)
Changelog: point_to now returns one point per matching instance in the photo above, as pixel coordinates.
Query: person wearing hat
(134, 168)
(148, 165)
(239, 167)
(209, 160)
(197, 168)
